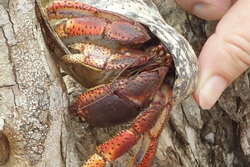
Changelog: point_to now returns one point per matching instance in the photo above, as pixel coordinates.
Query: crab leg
(95, 22)
(109, 104)
(122, 32)
(151, 121)
(71, 9)
(104, 59)
(144, 158)
(124, 98)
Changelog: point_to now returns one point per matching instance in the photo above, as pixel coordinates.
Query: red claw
(89, 21)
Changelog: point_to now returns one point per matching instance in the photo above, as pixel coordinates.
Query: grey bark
(37, 130)
(32, 99)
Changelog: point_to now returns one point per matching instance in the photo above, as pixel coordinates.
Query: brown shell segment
(95, 161)
(90, 97)
(118, 145)
(126, 33)
(110, 110)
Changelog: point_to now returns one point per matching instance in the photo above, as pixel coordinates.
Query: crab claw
(150, 122)
(91, 26)
(84, 20)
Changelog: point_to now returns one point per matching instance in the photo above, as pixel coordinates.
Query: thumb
(225, 55)
(206, 9)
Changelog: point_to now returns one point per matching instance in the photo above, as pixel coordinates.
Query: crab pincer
(146, 122)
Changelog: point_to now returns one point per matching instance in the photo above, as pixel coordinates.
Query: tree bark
(37, 130)
(33, 100)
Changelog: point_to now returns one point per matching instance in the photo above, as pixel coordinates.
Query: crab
(125, 68)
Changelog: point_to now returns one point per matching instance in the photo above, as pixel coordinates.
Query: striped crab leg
(60, 9)
(151, 121)
(85, 20)
(145, 155)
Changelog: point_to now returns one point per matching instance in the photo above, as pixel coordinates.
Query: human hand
(226, 54)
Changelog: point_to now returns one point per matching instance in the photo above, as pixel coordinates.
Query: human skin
(226, 54)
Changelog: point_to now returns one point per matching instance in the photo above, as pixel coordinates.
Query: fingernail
(210, 91)
(211, 9)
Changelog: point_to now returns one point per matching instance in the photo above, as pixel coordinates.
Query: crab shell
(146, 13)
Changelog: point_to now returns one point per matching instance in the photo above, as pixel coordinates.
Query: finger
(206, 9)
(225, 55)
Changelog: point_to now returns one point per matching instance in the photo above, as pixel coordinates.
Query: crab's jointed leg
(69, 9)
(121, 100)
(61, 9)
(150, 121)
(104, 59)
(84, 20)
(107, 104)
(144, 158)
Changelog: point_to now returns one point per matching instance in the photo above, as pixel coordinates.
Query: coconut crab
(129, 65)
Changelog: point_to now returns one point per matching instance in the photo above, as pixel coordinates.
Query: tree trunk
(37, 130)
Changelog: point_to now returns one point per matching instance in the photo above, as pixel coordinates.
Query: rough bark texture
(37, 130)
